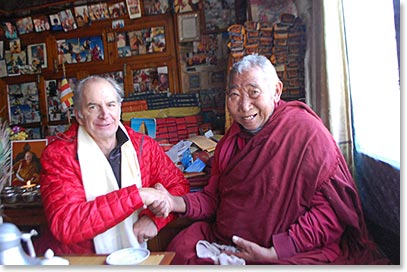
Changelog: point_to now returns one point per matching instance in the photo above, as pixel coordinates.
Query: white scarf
(98, 179)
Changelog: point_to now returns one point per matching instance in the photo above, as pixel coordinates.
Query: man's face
(100, 110)
(251, 98)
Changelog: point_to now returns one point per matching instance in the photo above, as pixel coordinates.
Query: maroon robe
(287, 187)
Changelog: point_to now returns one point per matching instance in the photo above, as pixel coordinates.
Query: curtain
(326, 69)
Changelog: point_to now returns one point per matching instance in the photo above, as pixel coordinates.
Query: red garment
(75, 221)
(288, 187)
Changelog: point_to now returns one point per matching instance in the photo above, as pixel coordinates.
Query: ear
(279, 91)
(79, 117)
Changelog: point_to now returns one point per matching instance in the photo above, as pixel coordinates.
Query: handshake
(159, 201)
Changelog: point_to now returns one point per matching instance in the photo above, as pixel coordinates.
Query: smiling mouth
(250, 117)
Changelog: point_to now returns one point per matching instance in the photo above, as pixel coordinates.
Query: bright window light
(374, 78)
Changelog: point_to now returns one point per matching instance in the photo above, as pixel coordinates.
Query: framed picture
(117, 10)
(81, 49)
(219, 15)
(55, 22)
(148, 80)
(25, 25)
(194, 81)
(1, 49)
(3, 68)
(37, 55)
(188, 27)
(26, 161)
(15, 46)
(117, 24)
(82, 16)
(134, 9)
(67, 20)
(23, 102)
(152, 7)
(10, 30)
(41, 23)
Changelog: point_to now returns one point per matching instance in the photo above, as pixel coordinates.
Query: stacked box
(288, 55)
(266, 39)
(185, 100)
(236, 44)
(175, 129)
(134, 105)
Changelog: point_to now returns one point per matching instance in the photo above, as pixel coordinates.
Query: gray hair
(249, 62)
(80, 88)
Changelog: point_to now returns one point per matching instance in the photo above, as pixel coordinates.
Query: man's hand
(157, 199)
(252, 252)
(144, 229)
(161, 208)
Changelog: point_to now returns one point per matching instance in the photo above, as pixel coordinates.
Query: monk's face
(100, 111)
(251, 98)
(28, 157)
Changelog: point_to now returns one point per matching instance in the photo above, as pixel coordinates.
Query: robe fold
(287, 187)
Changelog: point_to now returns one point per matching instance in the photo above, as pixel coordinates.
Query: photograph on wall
(78, 50)
(15, 62)
(117, 24)
(41, 23)
(23, 102)
(194, 81)
(25, 25)
(3, 68)
(147, 80)
(182, 6)
(133, 8)
(10, 30)
(67, 20)
(163, 83)
(157, 40)
(26, 165)
(37, 55)
(55, 22)
(53, 100)
(219, 15)
(15, 46)
(140, 42)
(117, 10)
(153, 7)
(1, 49)
(82, 16)
(270, 10)
(137, 41)
(98, 12)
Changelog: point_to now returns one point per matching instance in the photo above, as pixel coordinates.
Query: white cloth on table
(205, 249)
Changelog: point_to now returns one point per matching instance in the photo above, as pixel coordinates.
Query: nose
(245, 103)
(103, 112)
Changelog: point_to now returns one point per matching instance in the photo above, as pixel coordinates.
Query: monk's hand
(158, 200)
(161, 207)
(144, 229)
(252, 252)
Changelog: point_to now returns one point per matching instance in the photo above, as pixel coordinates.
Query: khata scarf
(99, 179)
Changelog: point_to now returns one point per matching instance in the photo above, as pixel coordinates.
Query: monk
(280, 191)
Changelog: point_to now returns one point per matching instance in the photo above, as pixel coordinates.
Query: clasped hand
(157, 200)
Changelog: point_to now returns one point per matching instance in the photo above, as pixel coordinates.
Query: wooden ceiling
(13, 9)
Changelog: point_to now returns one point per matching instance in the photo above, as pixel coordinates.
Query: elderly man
(280, 191)
(96, 177)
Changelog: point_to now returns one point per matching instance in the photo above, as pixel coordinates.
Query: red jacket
(74, 221)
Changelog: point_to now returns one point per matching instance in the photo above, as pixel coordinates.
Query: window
(374, 78)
